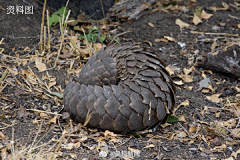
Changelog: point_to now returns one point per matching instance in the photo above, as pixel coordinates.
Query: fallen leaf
(170, 38)
(234, 154)
(235, 132)
(185, 103)
(53, 120)
(151, 25)
(21, 112)
(188, 87)
(182, 118)
(214, 98)
(40, 66)
(186, 78)
(198, 11)
(196, 19)
(98, 46)
(184, 52)
(205, 15)
(181, 134)
(150, 146)
(161, 40)
(172, 119)
(50, 84)
(214, 45)
(225, 5)
(2, 8)
(221, 148)
(150, 43)
(203, 84)
(181, 24)
(188, 70)
(43, 115)
(170, 70)
(192, 129)
(230, 123)
(71, 146)
(179, 83)
(12, 71)
(165, 125)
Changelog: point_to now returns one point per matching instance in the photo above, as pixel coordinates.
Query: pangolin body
(121, 88)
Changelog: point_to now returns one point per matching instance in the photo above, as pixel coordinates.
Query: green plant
(172, 119)
(92, 35)
(55, 17)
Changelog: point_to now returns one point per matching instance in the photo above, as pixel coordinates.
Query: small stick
(49, 36)
(42, 24)
(222, 34)
(44, 40)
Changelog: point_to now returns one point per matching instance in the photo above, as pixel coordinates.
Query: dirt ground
(28, 118)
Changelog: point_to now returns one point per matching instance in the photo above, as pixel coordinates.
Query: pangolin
(123, 88)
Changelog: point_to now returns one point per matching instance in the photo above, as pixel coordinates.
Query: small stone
(103, 154)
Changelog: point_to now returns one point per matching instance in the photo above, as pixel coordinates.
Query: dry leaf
(221, 148)
(188, 87)
(182, 118)
(230, 123)
(186, 78)
(165, 125)
(234, 154)
(214, 45)
(21, 112)
(170, 70)
(71, 146)
(192, 129)
(181, 134)
(43, 115)
(229, 158)
(53, 120)
(181, 24)
(183, 52)
(170, 38)
(40, 66)
(205, 15)
(150, 43)
(151, 25)
(203, 84)
(217, 115)
(161, 40)
(2, 8)
(179, 83)
(12, 71)
(235, 132)
(150, 146)
(225, 5)
(185, 103)
(214, 98)
(188, 70)
(98, 46)
(50, 84)
(196, 19)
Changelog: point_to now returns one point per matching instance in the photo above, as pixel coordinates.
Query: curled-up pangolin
(121, 88)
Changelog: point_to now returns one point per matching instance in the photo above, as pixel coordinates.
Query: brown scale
(124, 88)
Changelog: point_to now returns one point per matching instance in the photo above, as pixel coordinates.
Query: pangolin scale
(123, 88)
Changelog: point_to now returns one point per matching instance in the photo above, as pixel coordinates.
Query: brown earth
(19, 124)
